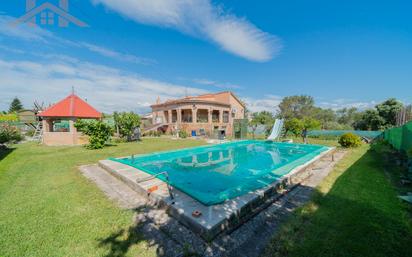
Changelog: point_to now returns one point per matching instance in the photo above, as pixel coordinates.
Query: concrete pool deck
(171, 238)
(214, 219)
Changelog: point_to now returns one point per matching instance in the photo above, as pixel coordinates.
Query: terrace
(205, 113)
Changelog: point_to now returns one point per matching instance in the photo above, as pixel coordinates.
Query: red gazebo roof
(71, 107)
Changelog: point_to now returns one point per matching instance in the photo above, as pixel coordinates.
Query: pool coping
(215, 219)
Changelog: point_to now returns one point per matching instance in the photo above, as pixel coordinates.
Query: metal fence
(404, 116)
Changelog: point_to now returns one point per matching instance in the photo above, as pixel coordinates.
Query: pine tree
(15, 105)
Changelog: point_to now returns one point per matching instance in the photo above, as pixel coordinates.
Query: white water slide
(276, 130)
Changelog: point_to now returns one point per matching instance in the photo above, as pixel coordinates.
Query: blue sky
(346, 53)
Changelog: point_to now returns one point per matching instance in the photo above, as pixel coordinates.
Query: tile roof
(206, 98)
(71, 107)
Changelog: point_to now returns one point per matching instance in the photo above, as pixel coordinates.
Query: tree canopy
(126, 122)
(262, 118)
(388, 110)
(294, 126)
(298, 106)
(15, 105)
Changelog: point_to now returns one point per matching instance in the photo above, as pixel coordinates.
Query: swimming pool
(214, 174)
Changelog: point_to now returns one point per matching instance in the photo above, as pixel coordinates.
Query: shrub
(294, 126)
(153, 133)
(350, 140)
(126, 123)
(11, 117)
(97, 131)
(9, 134)
(183, 134)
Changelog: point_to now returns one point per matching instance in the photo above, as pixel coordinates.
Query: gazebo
(58, 121)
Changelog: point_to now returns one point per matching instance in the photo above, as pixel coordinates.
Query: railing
(166, 174)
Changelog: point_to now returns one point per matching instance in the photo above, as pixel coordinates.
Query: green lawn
(47, 208)
(355, 212)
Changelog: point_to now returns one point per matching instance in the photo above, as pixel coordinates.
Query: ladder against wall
(38, 132)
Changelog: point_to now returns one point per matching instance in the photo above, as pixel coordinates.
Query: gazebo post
(47, 125)
(72, 127)
(73, 130)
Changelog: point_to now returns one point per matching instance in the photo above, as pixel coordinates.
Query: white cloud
(271, 102)
(268, 103)
(201, 18)
(11, 50)
(117, 55)
(341, 103)
(38, 34)
(106, 88)
(221, 85)
(23, 31)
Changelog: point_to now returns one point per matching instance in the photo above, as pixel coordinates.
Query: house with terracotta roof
(58, 121)
(209, 114)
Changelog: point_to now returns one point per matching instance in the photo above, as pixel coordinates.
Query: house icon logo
(48, 13)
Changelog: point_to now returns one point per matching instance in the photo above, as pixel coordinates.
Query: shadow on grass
(359, 216)
(4, 151)
(121, 241)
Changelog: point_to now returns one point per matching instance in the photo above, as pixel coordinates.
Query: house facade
(209, 114)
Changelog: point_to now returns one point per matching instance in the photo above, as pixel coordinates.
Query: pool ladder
(169, 187)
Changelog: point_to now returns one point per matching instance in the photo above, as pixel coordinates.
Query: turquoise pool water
(214, 174)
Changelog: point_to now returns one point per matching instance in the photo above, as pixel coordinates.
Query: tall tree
(309, 124)
(348, 116)
(262, 118)
(126, 122)
(295, 126)
(15, 105)
(370, 120)
(298, 106)
(388, 111)
(324, 116)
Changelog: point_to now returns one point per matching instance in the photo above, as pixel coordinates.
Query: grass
(47, 208)
(355, 212)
